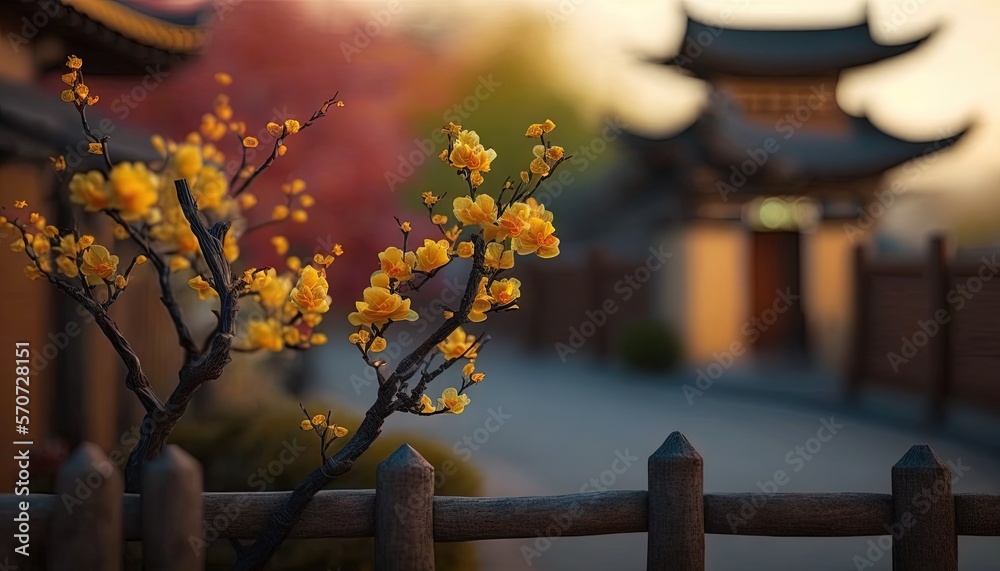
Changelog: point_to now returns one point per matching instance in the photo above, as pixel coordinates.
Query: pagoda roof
(125, 36)
(709, 50)
(722, 135)
(35, 126)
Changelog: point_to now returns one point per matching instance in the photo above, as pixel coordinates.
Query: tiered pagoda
(759, 187)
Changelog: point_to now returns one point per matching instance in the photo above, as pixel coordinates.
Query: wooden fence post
(862, 324)
(172, 512)
(938, 284)
(404, 512)
(923, 531)
(676, 531)
(86, 530)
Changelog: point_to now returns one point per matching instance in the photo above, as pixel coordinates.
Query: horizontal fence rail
(86, 522)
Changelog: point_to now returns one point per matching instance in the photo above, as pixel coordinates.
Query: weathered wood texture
(923, 530)
(405, 518)
(172, 512)
(86, 528)
(676, 507)
(404, 512)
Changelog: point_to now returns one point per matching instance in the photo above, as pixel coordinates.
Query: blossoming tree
(185, 216)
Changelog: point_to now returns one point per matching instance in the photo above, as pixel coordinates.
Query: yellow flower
(140, 260)
(476, 178)
(67, 245)
(58, 163)
(362, 336)
(379, 305)
(474, 158)
(178, 263)
(478, 377)
(291, 336)
(17, 246)
(453, 234)
(321, 260)
(439, 219)
(512, 222)
(41, 245)
(319, 420)
(89, 190)
(223, 79)
(121, 233)
(85, 241)
(451, 400)
(554, 153)
(187, 160)
(67, 95)
(307, 201)
(538, 210)
(95, 149)
(300, 216)
(247, 201)
(395, 264)
(467, 138)
(338, 250)
(339, 431)
(261, 280)
(525, 177)
(405, 227)
(74, 62)
(482, 211)
(481, 304)
(534, 131)
(67, 266)
(538, 238)
(306, 425)
(280, 212)
(32, 272)
(294, 263)
(452, 129)
(282, 149)
(465, 249)
(120, 281)
(548, 126)
(497, 257)
(98, 264)
(292, 126)
(539, 167)
(266, 334)
(378, 345)
(457, 343)
(20, 204)
(506, 291)
(469, 368)
(275, 130)
(201, 286)
(250, 142)
(280, 244)
(133, 189)
(309, 294)
(69, 78)
(432, 255)
(426, 404)
(317, 339)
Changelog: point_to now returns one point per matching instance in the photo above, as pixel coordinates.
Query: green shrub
(234, 447)
(649, 346)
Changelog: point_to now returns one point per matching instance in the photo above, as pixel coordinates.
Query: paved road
(566, 424)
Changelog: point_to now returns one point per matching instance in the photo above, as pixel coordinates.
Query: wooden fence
(84, 524)
(928, 326)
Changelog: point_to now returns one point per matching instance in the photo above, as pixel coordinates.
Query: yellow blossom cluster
(67, 255)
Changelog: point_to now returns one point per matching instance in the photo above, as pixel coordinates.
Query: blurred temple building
(757, 195)
(77, 389)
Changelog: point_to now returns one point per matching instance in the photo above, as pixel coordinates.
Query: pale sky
(950, 83)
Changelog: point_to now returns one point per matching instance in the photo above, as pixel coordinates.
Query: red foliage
(285, 61)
